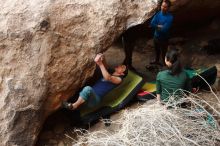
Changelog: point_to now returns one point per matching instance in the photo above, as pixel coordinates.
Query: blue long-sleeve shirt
(162, 19)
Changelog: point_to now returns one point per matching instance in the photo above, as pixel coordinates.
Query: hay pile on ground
(159, 125)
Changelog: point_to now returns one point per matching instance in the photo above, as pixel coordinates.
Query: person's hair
(172, 56)
(167, 2)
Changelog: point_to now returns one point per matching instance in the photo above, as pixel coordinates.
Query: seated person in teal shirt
(92, 95)
(169, 81)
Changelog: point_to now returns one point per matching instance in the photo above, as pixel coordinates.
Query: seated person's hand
(158, 101)
(195, 90)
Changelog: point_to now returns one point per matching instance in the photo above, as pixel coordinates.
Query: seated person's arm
(158, 88)
(158, 98)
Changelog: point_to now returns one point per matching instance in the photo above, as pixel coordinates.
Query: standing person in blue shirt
(91, 96)
(161, 24)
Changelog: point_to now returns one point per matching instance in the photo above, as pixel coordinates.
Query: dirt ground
(59, 130)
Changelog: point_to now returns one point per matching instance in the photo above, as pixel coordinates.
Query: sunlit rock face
(46, 51)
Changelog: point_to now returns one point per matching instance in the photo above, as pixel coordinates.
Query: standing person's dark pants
(160, 47)
(128, 49)
(128, 45)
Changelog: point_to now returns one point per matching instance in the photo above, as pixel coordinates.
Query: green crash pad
(209, 74)
(119, 96)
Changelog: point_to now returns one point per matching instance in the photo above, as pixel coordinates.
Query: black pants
(160, 47)
(128, 45)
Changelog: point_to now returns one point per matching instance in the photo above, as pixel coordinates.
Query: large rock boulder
(46, 51)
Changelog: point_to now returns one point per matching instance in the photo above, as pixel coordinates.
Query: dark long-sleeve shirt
(164, 19)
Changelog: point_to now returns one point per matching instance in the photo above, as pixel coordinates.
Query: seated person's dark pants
(160, 47)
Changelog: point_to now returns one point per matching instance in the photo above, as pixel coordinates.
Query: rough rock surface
(46, 52)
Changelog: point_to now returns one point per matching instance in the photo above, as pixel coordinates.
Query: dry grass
(159, 125)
